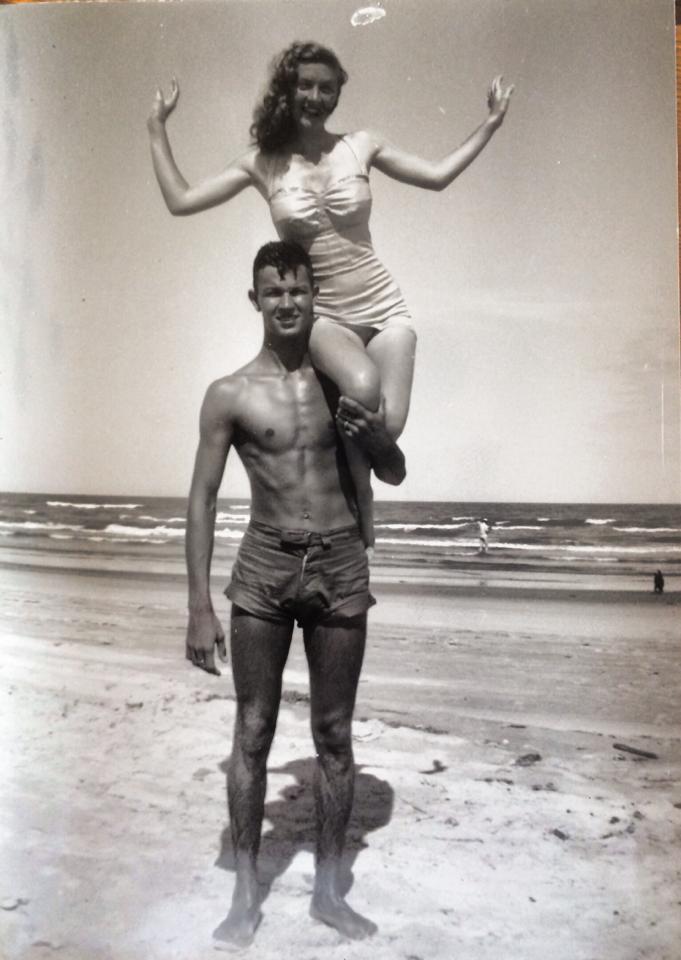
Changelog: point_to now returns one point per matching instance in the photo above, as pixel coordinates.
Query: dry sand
(113, 802)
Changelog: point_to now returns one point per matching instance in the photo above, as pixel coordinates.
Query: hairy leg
(339, 353)
(259, 650)
(334, 653)
(393, 351)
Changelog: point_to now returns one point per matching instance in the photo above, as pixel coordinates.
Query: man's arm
(204, 630)
(367, 429)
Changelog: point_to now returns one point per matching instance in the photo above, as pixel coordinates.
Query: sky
(543, 283)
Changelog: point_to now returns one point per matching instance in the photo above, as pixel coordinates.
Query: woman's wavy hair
(273, 126)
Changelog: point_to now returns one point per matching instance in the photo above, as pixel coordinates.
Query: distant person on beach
(301, 559)
(483, 535)
(658, 582)
(316, 184)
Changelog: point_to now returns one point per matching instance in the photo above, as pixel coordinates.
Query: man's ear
(253, 297)
(315, 292)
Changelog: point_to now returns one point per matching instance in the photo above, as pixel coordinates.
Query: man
(483, 534)
(301, 559)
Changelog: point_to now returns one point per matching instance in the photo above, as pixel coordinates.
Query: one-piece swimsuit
(355, 289)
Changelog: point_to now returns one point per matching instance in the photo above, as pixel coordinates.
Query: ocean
(589, 538)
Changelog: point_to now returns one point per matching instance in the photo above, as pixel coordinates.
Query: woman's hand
(163, 107)
(498, 100)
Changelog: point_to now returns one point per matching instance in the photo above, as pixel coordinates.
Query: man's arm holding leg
(204, 630)
(367, 429)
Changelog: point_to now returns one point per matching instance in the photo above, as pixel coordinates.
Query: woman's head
(275, 120)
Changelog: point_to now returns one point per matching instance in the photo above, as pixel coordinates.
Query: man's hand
(367, 429)
(204, 632)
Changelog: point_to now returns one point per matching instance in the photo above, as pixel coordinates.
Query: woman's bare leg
(340, 354)
(393, 351)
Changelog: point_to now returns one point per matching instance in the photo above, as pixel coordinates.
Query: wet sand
(494, 816)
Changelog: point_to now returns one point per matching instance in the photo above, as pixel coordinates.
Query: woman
(316, 184)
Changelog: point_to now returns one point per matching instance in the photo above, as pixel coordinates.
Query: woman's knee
(363, 384)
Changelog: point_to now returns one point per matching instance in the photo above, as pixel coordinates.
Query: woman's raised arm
(436, 175)
(182, 199)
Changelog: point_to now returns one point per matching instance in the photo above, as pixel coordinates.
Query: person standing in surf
(316, 184)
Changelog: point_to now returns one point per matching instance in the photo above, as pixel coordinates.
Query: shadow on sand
(293, 823)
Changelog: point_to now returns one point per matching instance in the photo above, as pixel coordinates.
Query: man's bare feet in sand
(239, 926)
(335, 912)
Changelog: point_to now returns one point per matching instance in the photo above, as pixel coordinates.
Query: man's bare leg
(334, 654)
(259, 650)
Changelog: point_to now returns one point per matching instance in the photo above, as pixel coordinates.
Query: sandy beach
(494, 815)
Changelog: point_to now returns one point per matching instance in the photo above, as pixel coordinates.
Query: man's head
(285, 256)
(283, 289)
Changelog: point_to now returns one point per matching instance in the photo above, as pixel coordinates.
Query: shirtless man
(301, 559)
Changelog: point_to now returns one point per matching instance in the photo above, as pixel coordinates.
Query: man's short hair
(285, 256)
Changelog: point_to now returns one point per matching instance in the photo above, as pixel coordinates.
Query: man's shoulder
(226, 391)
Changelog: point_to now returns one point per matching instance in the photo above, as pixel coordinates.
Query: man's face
(286, 303)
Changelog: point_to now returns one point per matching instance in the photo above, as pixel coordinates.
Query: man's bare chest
(286, 414)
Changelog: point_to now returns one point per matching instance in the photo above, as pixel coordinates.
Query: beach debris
(12, 903)
(202, 773)
(134, 706)
(509, 783)
(365, 730)
(528, 759)
(452, 822)
(517, 726)
(550, 786)
(438, 767)
(559, 833)
(425, 814)
(636, 751)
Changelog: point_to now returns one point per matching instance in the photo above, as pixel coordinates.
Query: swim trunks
(355, 289)
(282, 575)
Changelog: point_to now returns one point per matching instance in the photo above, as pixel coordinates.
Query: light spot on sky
(366, 15)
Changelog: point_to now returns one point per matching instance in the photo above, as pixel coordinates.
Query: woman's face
(315, 94)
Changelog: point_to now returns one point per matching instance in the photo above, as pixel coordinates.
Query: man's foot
(238, 928)
(335, 912)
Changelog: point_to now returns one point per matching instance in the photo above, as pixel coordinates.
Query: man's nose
(313, 94)
(286, 301)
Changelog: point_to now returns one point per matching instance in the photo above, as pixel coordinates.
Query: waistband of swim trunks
(298, 535)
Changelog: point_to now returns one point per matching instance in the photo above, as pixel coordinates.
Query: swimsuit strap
(362, 168)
